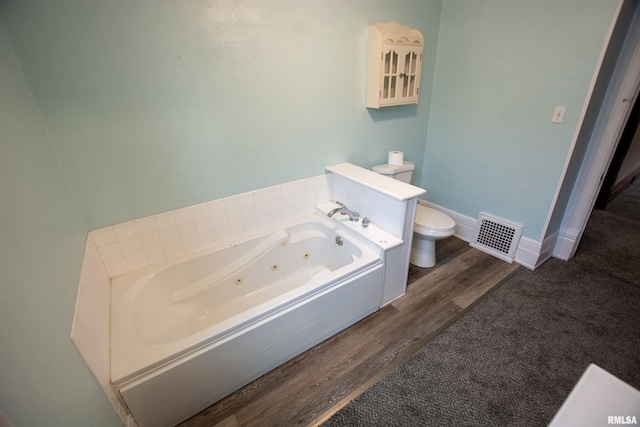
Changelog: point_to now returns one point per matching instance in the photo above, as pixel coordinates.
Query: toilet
(430, 225)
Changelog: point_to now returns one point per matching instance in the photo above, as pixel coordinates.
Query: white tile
(200, 211)
(84, 311)
(261, 196)
(287, 203)
(286, 189)
(219, 221)
(96, 272)
(190, 244)
(165, 220)
(116, 267)
(126, 230)
(302, 210)
(246, 199)
(131, 246)
(251, 226)
(169, 235)
(136, 261)
(231, 203)
(310, 184)
(182, 216)
(110, 252)
(322, 180)
(248, 212)
(234, 217)
(298, 186)
(311, 196)
(146, 225)
(173, 250)
(91, 256)
(310, 208)
(299, 199)
(276, 218)
(274, 192)
(236, 230)
(103, 373)
(262, 209)
(93, 272)
(155, 255)
(288, 214)
(221, 234)
(186, 230)
(216, 207)
(203, 225)
(98, 280)
(275, 205)
(151, 240)
(104, 236)
(264, 222)
(323, 195)
(206, 239)
(87, 350)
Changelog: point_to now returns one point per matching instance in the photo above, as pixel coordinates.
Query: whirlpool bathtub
(187, 333)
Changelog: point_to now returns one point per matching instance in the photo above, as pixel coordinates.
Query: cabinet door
(400, 74)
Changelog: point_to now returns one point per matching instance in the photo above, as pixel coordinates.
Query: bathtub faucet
(353, 216)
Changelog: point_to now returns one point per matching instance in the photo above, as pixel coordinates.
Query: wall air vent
(497, 237)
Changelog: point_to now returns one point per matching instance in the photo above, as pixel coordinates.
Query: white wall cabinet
(394, 65)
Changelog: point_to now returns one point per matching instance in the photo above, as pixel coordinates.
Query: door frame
(623, 90)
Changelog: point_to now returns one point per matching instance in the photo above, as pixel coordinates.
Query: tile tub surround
(136, 244)
(90, 326)
(123, 248)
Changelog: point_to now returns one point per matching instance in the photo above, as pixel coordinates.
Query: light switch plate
(558, 114)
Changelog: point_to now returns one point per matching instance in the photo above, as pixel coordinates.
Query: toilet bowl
(430, 224)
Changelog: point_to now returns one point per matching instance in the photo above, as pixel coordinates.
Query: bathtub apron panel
(178, 389)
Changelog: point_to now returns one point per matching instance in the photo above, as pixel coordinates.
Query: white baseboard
(566, 243)
(527, 253)
(530, 253)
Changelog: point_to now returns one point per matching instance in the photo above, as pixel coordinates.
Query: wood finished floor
(311, 387)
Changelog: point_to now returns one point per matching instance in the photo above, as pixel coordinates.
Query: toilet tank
(401, 173)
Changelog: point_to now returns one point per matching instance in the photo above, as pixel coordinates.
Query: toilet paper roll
(396, 158)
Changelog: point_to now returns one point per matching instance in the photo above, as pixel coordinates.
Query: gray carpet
(516, 355)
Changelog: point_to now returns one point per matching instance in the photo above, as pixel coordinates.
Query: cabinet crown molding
(394, 33)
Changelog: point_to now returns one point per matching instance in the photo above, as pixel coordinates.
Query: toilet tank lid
(388, 169)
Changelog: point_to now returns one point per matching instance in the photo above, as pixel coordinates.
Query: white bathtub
(186, 334)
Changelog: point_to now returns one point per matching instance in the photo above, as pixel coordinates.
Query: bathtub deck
(314, 385)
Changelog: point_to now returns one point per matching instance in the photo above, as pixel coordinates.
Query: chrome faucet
(353, 216)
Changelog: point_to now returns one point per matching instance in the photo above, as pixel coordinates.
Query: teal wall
(43, 380)
(501, 68)
(154, 105)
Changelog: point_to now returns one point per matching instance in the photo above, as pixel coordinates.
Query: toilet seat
(432, 222)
